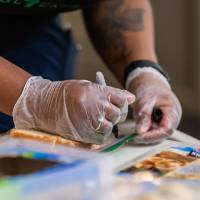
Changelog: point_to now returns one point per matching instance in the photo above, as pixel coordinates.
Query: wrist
(146, 72)
(9, 101)
(25, 94)
(139, 67)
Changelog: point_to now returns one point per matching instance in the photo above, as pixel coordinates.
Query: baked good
(52, 139)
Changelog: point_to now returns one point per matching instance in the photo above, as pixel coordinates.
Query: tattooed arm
(122, 31)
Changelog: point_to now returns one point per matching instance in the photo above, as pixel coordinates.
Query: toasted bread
(48, 138)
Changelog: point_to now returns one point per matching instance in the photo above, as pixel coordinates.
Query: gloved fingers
(104, 128)
(171, 118)
(112, 113)
(154, 136)
(99, 124)
(124, 112)
(161, 131)
(144, 104)
(142, 113)
(120, 97)
(143, 122)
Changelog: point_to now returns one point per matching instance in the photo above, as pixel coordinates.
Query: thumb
(142, 115)
(143, 123)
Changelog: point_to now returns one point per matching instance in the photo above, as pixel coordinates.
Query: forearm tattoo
(108, 29)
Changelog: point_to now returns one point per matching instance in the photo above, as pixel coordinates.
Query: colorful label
(164, 162)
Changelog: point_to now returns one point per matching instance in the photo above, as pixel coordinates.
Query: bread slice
(52, 139)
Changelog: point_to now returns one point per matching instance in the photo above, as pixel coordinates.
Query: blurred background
(178, 48)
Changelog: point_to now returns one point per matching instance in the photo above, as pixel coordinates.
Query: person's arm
(76, 109)
(122, 31)
(12, 81)
(123, 34)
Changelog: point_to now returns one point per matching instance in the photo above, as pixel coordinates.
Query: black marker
(157, 115)
(115, 131)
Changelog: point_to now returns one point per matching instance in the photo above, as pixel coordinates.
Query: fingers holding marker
(120, 97)
(170, 118)
(158, 130)
(154, 136)
(143, 122)
(112, 113)
(101, 125)
(142, 113)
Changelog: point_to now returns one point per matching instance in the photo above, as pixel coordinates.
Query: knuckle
(117, 112)
(113, 114)
(122, 101)
(106, 104)
(116, 119)
(120, 98)
(106, 127)
(81, 100)
(123, 116)
(169, 132)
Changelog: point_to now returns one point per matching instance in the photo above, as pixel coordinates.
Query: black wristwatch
(144, 63)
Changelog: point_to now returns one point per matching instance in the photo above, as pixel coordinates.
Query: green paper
(9, 191)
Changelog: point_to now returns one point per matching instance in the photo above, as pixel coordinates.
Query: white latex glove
(152, 91)
(75, 109)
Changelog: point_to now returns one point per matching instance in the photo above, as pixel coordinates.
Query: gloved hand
(153, 92)
(75, 109)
